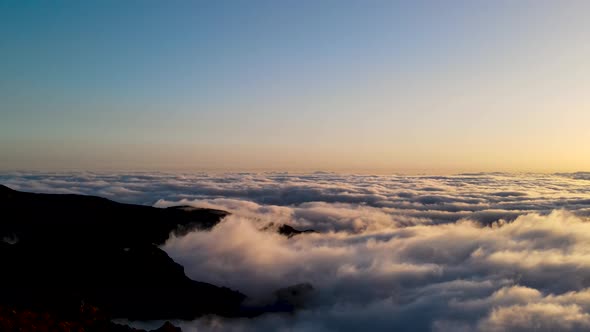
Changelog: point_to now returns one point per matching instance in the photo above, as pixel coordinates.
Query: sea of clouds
(468, 252)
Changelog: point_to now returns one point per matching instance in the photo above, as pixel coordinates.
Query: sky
(395, 86)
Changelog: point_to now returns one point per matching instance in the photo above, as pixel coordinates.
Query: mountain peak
(5, 189)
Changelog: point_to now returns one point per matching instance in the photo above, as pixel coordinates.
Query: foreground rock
(61, 251)
(88, 319)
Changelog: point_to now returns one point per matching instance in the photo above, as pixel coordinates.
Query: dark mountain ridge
(61, 251)
(67, 217)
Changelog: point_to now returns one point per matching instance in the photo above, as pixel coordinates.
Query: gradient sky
(397, 86)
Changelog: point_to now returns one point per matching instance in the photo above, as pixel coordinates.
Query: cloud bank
(470, 252)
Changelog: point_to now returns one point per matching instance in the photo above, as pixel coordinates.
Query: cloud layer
(470, 252)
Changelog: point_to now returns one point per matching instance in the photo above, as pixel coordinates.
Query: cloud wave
(471, 252)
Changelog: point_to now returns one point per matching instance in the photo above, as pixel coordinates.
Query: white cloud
(483, 252)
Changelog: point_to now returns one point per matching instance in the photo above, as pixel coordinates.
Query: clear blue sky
(400, 85)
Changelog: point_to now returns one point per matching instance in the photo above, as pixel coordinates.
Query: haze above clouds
(469, 252)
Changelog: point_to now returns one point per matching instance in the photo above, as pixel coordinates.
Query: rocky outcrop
(285, 229)
(289, 231)
(60, 251)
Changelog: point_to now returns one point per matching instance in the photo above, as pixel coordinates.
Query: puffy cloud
(418, 277)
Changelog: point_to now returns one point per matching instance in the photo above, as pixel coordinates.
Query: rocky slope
(61, 251)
